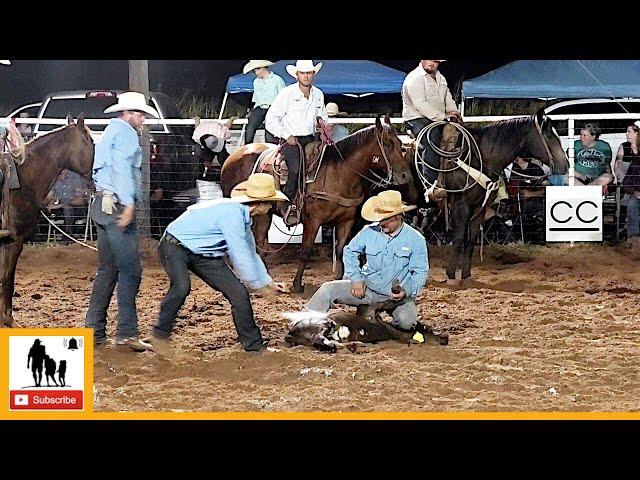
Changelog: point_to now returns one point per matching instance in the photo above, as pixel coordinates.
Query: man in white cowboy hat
(199, 241)
(266, 87)
(426, 99)
(292, 118)
(338, 131)
(394, 251)
(116, 174)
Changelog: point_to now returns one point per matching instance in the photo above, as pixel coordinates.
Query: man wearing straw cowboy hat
(116, 174)
(394, 251)
(266, 87)
(200, 239)
(293, 119)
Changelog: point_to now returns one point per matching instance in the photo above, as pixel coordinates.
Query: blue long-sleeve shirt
(118, 162)
(403, 256)
(220, 227)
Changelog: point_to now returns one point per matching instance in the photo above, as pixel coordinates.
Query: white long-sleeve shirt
(293, 114)
(424, 96)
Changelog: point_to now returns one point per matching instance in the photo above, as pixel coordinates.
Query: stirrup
(291, 215)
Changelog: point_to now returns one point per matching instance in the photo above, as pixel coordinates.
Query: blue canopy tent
(346, 77)
(558, 79)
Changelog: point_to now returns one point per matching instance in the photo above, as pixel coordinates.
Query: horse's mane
(351, 143)
(44, 140)
(505, 130)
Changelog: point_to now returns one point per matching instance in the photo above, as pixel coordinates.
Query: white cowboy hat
(384, 205)
(260, 187)
(5, 62)
(253, 64)
(303, 66)
(132, 101)
(637, 123)
(333, 110)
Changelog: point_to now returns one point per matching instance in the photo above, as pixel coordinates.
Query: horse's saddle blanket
(10, 171)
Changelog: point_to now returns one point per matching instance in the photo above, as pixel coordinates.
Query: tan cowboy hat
(333, 110)
(253, 64)
(132, 101)
(303, 66)
(260, 187)
(384, 205)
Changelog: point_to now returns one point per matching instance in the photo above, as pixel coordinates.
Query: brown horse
(69, 147)
(340, 186)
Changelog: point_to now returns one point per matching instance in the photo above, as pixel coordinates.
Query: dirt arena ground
(542, 329)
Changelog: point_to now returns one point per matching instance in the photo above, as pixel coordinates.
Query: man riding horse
(292, 119)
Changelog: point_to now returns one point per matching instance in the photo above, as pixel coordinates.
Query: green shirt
(266, 89)
(592, 161)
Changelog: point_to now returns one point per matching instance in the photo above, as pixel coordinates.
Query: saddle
(272, 161)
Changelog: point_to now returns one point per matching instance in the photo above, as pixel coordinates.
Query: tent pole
(224, 103)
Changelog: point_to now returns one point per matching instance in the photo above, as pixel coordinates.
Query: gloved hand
(108, 204)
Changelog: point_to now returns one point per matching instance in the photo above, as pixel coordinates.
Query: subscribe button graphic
(46, 400)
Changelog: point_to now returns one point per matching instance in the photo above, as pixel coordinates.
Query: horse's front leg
(459, 218)
(343, 231)
(311, 227)
(10, 254)
(470, 241)
(261, 225)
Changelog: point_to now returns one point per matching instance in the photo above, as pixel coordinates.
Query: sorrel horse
(339, 189)
(69, 147)
(491, 149)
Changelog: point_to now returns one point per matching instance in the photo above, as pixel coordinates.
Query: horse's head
(80, 145)
(391, 153)
(548, 148)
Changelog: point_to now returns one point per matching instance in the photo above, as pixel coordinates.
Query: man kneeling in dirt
(394, 251)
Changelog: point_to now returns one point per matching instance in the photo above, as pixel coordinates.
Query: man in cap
(210, 137)
(200, 239)
(293, 119)
(116, 174)
(426, 99)
(266, 87)
(394, 251)
(338, 131)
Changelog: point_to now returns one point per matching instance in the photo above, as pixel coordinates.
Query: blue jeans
(119, 263)
(429, 155)
(633, 216)
(405, 315)
(177, 261)
(256, 119)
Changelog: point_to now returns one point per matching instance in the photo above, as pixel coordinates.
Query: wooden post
(139, 82)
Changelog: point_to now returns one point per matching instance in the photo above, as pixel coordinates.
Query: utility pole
(139, 82)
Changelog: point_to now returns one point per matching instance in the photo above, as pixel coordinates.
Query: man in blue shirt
(116, 174)
(200, 239)
(394, 251)
(265, 88)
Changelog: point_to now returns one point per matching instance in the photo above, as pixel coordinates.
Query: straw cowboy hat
(333, 110)
(384, 205)
(132, 101)
(303, 66)
(253, 64)
(260, 187)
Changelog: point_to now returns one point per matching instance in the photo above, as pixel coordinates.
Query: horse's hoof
(453, 282)
(13, 324)
(468, 282)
